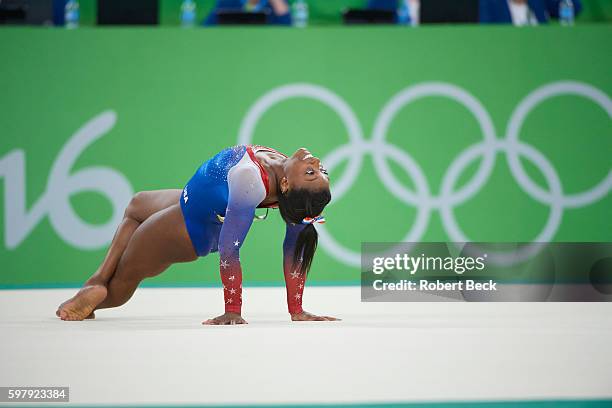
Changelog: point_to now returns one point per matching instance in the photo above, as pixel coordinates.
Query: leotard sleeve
(294, 280)
(246, 192)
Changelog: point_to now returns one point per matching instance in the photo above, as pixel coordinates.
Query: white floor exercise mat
(155, 349)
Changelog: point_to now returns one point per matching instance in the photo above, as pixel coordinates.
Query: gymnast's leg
(140, 208)
(156, 244)
(159, 242)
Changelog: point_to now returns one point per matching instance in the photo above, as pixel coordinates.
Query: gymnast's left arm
(294, 279)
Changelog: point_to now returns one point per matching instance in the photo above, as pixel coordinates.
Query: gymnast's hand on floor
(305, 316)
(226, 318)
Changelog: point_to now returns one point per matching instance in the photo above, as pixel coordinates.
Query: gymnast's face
(304, 171)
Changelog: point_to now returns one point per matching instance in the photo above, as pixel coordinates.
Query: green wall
(168, 99)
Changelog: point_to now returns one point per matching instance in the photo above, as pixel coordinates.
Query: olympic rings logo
(422, 198)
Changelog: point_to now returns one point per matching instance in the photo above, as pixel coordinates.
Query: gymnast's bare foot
(82, 305)
(305, 316)
(226, 318)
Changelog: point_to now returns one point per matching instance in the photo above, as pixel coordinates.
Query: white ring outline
(318, 93)
(554, 219)
(429, 89)
(512, 135)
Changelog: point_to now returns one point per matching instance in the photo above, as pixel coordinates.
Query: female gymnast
(214, 213)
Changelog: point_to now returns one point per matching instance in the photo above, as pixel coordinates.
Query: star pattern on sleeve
(295, 274)
(246, 190)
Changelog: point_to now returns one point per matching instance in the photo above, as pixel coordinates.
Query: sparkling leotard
(232, 185)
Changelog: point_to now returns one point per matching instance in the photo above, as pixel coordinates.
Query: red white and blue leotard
(232, 185)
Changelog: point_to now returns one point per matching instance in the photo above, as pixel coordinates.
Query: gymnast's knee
(136, 206)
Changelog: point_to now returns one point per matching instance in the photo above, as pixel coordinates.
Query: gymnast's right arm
(246, 191)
